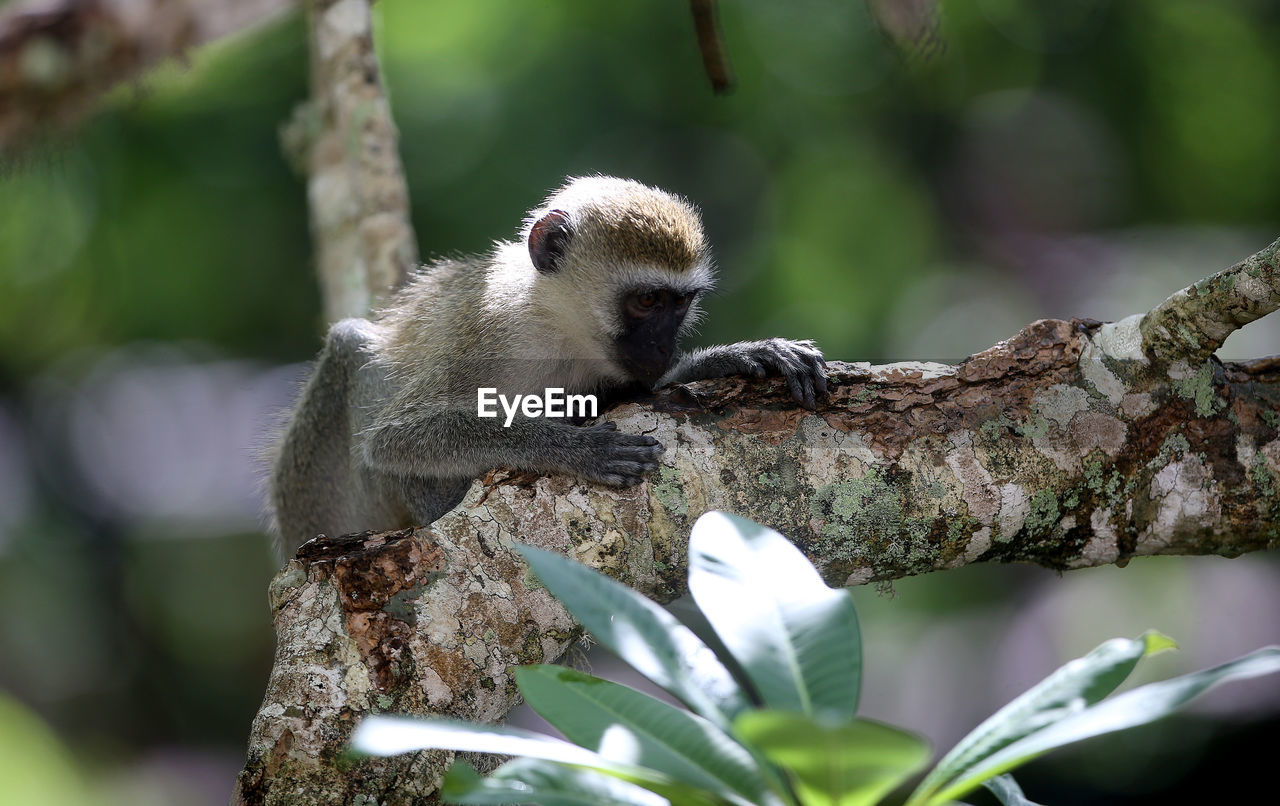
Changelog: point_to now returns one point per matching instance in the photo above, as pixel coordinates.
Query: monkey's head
(619, 264)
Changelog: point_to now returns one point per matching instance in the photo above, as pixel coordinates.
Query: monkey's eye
(642, 304)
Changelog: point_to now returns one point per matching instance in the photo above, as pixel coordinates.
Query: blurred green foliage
(826, 178)
(171, 216)
(34, 765)
(851, 197)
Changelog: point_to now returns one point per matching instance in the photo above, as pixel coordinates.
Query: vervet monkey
(592, 297)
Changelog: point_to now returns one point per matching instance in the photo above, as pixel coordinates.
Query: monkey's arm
(455, 443)
(799, 362)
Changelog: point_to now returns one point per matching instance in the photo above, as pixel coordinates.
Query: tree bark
(1073, 444)
(346, 144)
(58, 56)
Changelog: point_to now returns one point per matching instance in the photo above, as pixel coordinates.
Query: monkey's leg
(312, 476)
(798, 362)
(429, 499)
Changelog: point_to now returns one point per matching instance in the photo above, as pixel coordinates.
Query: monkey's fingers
(819, 376)
(796, 385)
(806, 350)
(816, 369)
(810, 394)
(813, 364)
(623, 438)
(617, 458)
(621, 480)
(625, 473)
(783, 358)
(806, 397)
(645, 454)
(639, 452)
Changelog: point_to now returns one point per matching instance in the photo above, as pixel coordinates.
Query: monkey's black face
(651, 320)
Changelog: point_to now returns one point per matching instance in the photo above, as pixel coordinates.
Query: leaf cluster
(772, 701)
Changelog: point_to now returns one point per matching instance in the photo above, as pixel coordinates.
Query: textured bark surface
(345, 142)
(1190, 325)
(1068, 445)
(58, 56)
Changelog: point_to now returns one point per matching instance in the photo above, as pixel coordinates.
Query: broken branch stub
(1193, 323)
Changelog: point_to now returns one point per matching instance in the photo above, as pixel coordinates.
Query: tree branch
(1193, 323)
(345, 141)
(1064, 446)
(715, 60)
(58, 56)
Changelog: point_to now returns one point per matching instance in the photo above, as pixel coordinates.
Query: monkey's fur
(592, 297)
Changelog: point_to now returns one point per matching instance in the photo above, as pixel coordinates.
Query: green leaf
(1008, 791)
(1137, 707)
(644, 635)
(526, 780)
(625, 725)
(796, 639)
(387, 736)
(392, 735)
(842, 765)
(1071, 688)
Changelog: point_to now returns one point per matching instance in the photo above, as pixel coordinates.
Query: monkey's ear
(548, 241)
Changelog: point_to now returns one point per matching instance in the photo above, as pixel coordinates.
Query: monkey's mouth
(646, 350)
(647, 366)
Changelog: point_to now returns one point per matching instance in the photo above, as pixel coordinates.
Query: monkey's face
(619, 269)
(651, 321)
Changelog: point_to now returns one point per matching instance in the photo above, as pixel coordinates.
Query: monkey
(603, 279)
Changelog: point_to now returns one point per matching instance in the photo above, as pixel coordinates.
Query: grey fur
(799, 362)
(385, 434)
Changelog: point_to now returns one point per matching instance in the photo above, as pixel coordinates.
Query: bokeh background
(157, 307)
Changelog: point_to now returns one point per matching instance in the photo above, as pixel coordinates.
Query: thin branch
(715, 60)
(57, 57)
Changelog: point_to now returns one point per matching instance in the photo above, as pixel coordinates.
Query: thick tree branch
(345, 140)
(1065, 446)
(58, 56)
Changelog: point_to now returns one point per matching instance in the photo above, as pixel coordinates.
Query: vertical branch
(346, 142)
(706, 23)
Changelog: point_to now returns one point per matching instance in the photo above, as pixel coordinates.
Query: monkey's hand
(798, 362)
(612, 457)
